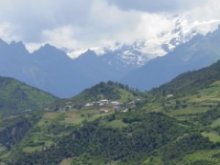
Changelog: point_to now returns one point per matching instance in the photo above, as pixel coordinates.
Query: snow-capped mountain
(138, 53)
(128, 55)
(50, 69)
(136, 64)
(197, 53)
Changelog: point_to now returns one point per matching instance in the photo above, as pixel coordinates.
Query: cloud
(156, 5)
(32, 18)
(7, 33)
(105, 29)
(77, 25)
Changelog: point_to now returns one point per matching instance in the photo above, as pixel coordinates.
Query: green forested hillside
(190, 82)
(20, 109)
(178, 123)
(17, 97)
(109, 90)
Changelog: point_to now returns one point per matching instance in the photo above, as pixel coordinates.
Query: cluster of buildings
(108, 105)
(104, 106)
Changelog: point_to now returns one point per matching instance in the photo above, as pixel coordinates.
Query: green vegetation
(213, 136)
(191, 82)
(144, 133)
(110, 90)
(115, 124)
(178, 123)
(17, 97)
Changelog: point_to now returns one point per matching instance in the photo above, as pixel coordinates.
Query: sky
(77, 25)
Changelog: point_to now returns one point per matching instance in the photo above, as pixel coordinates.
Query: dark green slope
(107, 90)
(13, 129)
(17, 97)
(97, 144)
(190, 82)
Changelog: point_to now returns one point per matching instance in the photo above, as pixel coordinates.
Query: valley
(109, 82)
(110, 123)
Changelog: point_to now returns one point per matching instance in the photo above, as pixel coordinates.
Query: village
(104, 106)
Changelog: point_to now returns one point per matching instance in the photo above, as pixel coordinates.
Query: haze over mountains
(53, 71)
(197, 53)
(156, 130)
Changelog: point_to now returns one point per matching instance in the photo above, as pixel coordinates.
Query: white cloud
(7, 33)
(81, 24)
(60, 37)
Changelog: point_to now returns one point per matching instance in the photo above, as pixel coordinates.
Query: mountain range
(197, 53)
(49, 68)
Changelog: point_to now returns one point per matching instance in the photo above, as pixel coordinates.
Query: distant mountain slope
(51, 70)
(199, 52)
(55, 72)
(17, 97)
(15, 61)
(102, 68)
(192, 81)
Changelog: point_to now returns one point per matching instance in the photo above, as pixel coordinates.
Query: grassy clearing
(208, 96)
(73, 117)
(153, 160)
(36, 142)
(215, 123)
(153, 107)
(32, 149)
(90, 160)
(66, 162)
(118, 124)
(190, 110)
(2, 148)
(50, 117)
(213, 136)
(125, 96)
(205, 155)
(212, 90)
(78, 117)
